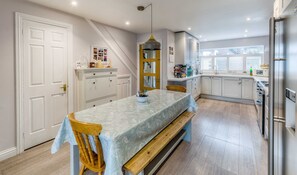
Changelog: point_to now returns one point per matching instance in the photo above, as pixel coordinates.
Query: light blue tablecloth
(128, 125)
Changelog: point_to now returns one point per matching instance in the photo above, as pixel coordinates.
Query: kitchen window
(236, 64)
(220, 64)
(231, 60)
(206, 64)
(253, 61)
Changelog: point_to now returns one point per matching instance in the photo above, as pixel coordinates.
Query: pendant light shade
(151, 43)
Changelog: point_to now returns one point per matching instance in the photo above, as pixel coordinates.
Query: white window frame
(244, 56)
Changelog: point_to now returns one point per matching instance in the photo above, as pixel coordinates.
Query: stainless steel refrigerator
(283, 86)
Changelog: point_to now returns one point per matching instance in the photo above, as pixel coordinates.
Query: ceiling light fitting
(248, 18)
(74, 3)
(151, 43)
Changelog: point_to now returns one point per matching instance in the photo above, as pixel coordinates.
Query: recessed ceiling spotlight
(127, 23)
(74, 3)
(246, 31)
(200, 36)
(248, 19)
(245, 36)
(189, 28)
(205, 39)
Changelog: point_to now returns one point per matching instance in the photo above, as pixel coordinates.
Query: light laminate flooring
(226, 140)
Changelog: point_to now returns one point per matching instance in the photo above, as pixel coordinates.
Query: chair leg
(82, 170)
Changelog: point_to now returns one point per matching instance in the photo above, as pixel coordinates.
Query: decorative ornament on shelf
(151, 43)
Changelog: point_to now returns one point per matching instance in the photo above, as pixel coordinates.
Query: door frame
(19, 18)
(161, 65)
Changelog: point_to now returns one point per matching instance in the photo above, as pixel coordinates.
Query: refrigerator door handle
(279, 59)
(279, 119)
(271, 98)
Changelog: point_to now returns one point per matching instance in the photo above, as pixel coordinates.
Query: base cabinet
(216, 86)
(232, 87)
(206, 85)
(199, 86)
(96, 87)
(247, 89)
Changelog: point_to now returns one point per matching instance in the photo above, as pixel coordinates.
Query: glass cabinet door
(149, 69)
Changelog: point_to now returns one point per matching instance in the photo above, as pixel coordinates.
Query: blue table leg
(188, 128)
(74, 160)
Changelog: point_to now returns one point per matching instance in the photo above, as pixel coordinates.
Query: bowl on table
(142, 97)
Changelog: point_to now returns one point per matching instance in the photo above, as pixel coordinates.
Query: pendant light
(151, 43)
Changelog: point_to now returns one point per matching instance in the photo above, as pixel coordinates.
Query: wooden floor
(226, 140)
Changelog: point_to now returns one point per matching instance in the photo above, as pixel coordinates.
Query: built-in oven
(260, 102)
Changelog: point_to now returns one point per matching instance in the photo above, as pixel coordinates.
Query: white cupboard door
(206, 85)
(45, 71)
(216, 86)
(255, 95)
(232, 87)
(199, 86)
(123, 88)
(247, 88)
(189, 86)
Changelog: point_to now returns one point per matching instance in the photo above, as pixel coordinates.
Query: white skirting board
(10, 152)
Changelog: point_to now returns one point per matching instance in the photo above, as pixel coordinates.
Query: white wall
(83, 37)
(264, 40)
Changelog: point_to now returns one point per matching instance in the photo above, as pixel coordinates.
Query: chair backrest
(176, 88)
(83, 132)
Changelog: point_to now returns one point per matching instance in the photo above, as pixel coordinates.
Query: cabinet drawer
(100, 87)
(100, 102)
(98, 74)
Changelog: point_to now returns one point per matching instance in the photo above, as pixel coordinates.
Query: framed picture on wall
(171, 54)
(99, 53)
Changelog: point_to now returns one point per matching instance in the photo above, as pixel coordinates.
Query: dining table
(127, 126)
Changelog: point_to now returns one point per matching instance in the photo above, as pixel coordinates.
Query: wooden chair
(90, 160)
(176, 88)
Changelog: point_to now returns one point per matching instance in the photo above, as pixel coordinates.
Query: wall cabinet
(216, 86)
(247, 88)
(96, 87)
(206, 85)
(187, 50)
(232, 87)
(282, 7)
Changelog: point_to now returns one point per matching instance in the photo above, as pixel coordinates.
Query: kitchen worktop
(184, 79)
(256, 78)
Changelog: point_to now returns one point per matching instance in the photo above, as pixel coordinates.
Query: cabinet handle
(94, 105)
(110, 72)
(110, 100)
(94, 82)
(110, 80)
(94, 74)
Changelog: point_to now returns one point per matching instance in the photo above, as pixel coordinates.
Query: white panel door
(45, 71)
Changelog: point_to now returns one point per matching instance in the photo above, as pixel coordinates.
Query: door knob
(64, 87)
